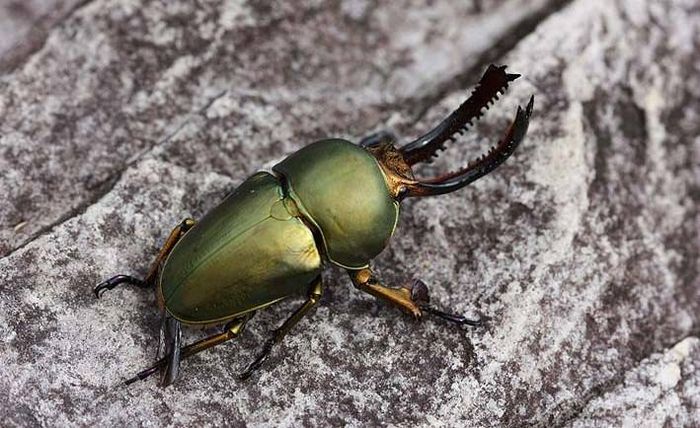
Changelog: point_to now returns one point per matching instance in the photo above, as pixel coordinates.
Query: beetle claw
(116, 280)
(102, 287)
(421, 297)
(99, 288)
(457, 319)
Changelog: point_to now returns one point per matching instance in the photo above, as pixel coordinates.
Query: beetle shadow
(342, 297)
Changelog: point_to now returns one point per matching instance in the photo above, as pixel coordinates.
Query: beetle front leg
(177, 233)
(414, 300)
(401, 297)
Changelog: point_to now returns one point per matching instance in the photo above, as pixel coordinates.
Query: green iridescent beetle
(330, 202)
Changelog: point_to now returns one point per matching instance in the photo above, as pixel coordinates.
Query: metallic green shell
(245, 254)
(340, 187)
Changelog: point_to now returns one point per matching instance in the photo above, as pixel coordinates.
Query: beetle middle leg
(414, 300)
(365, 280)
(175, 235)
(314, 296)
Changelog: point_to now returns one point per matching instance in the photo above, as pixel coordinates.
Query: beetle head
(397, 162)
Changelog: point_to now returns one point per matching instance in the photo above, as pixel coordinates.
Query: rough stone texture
(582, 253)
(664, 390)
(24, 25)
(116, 79)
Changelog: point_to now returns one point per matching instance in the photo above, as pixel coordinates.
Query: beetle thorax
(341, 189)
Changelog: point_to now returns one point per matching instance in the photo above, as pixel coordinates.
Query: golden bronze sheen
(215, 271)
(330, 202)
(341, 189)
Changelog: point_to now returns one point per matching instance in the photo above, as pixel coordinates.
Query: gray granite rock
(25, 24)
(664, 390)
(116, 79)
(581, 252)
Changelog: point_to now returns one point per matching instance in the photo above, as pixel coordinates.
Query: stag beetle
(331, 201)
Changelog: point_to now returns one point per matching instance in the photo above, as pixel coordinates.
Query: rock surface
(117, 79)
(582, 252)
(24, 25)
(664, 390)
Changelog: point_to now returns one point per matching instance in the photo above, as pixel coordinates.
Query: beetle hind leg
(175, 235)
(231, 330)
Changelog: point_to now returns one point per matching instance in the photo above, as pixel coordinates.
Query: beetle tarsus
(174, 236)
(259, 360)
(457, 319)
(420, 295)
(172, 333)
(145, 373)
(117, 280)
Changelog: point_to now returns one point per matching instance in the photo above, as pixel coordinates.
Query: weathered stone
(24, 25)
(582, 252)
(664, 390)
(116, 79)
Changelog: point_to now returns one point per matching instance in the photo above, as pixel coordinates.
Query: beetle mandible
(330, 202)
